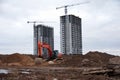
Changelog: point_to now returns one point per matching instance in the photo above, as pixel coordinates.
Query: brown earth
(91, 59)
(57, 71)
(16, 59)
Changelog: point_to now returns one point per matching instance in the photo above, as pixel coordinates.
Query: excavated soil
(91, 59)
(23, 67)
(16, 59)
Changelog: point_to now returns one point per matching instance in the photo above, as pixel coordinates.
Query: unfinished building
(70, 34)
(45, 34)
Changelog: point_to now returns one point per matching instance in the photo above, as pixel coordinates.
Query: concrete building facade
(70, 34)
(45, 34)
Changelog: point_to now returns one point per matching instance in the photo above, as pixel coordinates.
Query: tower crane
(34, 22)
(35, 33)
(66, 6)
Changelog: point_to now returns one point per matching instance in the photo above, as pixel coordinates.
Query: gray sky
(100, 23)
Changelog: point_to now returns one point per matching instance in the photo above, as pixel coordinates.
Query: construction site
(68, 64)
(91, 66)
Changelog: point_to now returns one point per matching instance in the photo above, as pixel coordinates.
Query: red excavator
(51, 54)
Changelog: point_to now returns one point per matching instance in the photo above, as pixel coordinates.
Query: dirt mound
(18, 59)
(97, 59)
(70, 60)
(115, 60)
(91, 59)
(1, 63)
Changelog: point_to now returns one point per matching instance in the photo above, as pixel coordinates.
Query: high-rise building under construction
(45, 34)
(70, 34)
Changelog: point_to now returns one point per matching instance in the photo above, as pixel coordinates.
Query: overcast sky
(100, 23)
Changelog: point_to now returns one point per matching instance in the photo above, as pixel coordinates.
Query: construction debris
(50, 62)
(96, 71)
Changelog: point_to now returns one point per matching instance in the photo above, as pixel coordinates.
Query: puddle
(4, 71)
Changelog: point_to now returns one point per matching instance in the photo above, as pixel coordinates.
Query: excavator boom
(44, 45)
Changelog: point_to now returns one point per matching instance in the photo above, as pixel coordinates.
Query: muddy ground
(91, 66)
(50, 73)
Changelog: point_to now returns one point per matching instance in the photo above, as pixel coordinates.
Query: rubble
(96, 71)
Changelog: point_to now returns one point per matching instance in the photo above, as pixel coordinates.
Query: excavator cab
(55, 53)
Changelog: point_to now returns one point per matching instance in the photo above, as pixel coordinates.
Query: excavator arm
(44, 45)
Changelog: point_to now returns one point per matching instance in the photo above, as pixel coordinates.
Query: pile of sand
(17, 59)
